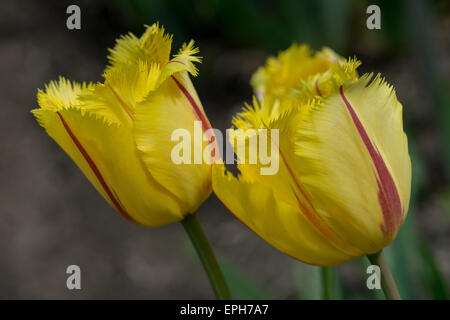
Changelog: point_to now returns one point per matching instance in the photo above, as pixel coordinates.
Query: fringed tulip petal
(125, 86)
(153, 46)
(286, 183)
(108, 158)
(62, 94)
(174, 106)
(355, 163)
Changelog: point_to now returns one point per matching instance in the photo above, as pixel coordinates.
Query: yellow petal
(287, 69)
(125, 86)
(354, 163)
(134, 81)
(61, 94)
(152, 47)
(326, 83)
(292, 67)
(251, 172)
(298, 75)
(138, 67)
(255, 117)
(175, 105)
(107, 156)
(285, 183)
(183, 61)
(280, 224)
(105, 103)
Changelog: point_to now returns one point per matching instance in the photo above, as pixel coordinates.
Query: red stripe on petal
(316, 85)
(111, 193)
(199, 114)
(122, 103)
(388, 196)
(206, 126)
(175, 61)
(306, 206)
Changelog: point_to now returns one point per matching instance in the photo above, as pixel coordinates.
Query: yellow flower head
(297, 75)
(343, 185)
(119, 132)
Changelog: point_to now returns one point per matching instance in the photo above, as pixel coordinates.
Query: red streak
(316, 84)
(122, 103)
(311, 214)
(114, 199)
(387, 192)
(199, 114)
(175, 61)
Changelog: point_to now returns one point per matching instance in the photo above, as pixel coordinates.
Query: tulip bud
(119, 132)
(343, 186)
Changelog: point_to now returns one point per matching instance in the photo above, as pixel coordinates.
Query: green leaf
(241, 285)
(400, 256)
(307, 280)
(431, 275)
(443, 200)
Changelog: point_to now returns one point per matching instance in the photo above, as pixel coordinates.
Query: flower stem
(387, 281)
(198, 238)
(327, 283)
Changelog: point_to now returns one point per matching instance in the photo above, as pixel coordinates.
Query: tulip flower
(343, 186)
(119, 134)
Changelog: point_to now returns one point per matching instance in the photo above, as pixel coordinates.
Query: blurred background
(51, 216)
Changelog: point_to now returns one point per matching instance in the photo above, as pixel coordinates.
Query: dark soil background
(51, 217)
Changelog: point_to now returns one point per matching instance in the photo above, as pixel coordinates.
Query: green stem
(206, 255)
(327, 283)
(387, 281)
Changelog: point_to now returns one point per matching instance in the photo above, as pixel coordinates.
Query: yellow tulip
(119, 132)
(343, 185)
